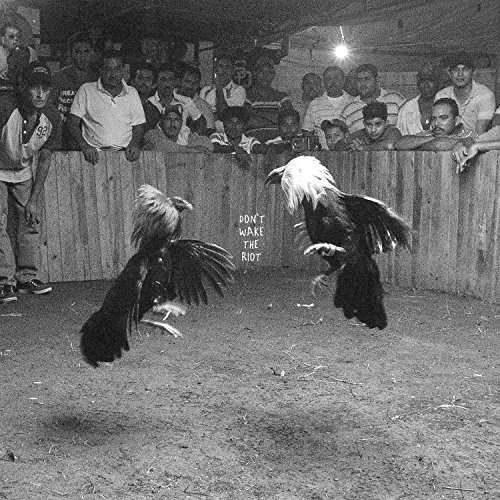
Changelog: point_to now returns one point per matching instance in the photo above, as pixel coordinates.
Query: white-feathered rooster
(346, 230)
(163, 269)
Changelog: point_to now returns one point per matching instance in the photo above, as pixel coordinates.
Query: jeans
(24, 250)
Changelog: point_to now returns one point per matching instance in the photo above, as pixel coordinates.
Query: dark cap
(460, 58)
(37, 73)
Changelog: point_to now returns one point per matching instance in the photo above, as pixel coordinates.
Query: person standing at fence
(165, 136)
(29, 134)
(225, 92)
(445, 132)
(377, 133)
(187, 93)
(265, 103)
(107, 114)
(328, 106)
(69, 79)
(312, 87)
(476, 102)
(415, 114)
(370, 91)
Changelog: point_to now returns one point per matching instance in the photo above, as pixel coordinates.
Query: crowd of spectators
(93, 104)
(160, 104)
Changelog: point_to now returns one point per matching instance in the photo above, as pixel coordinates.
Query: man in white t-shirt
(328, 106)
(476, 102)
(107, 114)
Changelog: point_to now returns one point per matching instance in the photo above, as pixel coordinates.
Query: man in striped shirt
(370, 91)
(328, 106)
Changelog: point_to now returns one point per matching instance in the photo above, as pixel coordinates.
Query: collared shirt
(246, 143)
(323, 108)
(480, 105)
(107, 120)
(185, 131)
(18, 152)
(352, 114)
(234, 95)
(409, 117)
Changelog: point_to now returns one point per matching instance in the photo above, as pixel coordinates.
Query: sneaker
(36, 287)
(7, 294)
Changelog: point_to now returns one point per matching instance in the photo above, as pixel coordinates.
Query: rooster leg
(318, 282)
(163, 326)
(167, 308)
(324, 249)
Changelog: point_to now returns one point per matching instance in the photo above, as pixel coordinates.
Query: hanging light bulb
(341, 50)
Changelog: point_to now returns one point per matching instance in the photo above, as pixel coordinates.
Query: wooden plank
(104, 216)
(71, 270)
(404, 208)
(484, 251)
(91, 215)
(115, 165)
(128, 194)
(78, 211)
(54, 259)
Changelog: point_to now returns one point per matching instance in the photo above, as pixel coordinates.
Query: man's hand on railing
(462, 154)
(91, 154)
(132, 152)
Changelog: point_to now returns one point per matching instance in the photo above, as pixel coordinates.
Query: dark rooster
(345, 230)
(163, 269)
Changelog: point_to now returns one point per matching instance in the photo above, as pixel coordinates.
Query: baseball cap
(460, 58)
(37, 73)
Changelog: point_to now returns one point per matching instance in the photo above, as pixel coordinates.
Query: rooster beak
(274, 177)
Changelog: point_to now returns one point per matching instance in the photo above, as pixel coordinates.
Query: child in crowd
(288, 127)
(377, 134)
(233, 140)
(336, 133)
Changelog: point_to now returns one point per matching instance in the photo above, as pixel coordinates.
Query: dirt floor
(263, 397)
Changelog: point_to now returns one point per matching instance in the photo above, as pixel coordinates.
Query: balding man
(328, 106)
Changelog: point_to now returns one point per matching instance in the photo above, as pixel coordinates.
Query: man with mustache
(445, 132)
(476, 102)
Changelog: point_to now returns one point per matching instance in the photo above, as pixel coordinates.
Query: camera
(302, 143)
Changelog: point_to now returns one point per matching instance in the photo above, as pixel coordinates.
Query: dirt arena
(265, 396)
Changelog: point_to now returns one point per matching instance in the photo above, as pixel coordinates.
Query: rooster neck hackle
(155, 217)
(305, 177)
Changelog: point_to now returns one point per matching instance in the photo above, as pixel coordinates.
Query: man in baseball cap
(27, 129)
(476, 102)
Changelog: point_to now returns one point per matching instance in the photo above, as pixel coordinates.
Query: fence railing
(455, 219)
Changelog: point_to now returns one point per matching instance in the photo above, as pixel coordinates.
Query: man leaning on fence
(29, 134)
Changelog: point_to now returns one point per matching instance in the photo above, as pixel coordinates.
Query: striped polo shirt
(323, 108)
(352, 114)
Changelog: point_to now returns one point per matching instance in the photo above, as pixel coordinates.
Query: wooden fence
(456, 239)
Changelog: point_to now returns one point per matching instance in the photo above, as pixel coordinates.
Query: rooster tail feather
(103, 338)
(359, 292)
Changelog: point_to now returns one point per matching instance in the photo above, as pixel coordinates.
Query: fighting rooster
(345, 230)
(163, 269)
